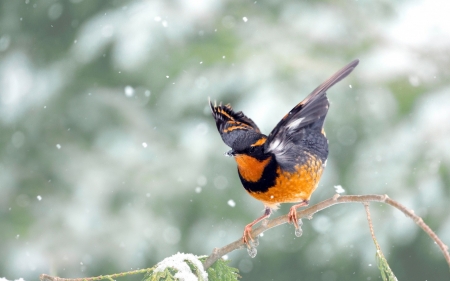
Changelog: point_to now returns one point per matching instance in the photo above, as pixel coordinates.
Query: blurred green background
(110, 159)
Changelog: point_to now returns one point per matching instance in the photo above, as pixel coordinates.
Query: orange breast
(293, 187)
(251, 169)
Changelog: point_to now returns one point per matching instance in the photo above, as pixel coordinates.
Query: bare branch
(310, 211)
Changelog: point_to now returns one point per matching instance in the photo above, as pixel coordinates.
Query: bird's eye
(252, 149)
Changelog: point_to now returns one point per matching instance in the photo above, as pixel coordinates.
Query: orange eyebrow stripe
(259, 142)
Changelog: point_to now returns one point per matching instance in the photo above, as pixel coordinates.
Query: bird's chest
(251, 169)
(290, 186)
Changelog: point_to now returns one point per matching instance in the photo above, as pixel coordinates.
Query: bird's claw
(292, 217)
(247, 234)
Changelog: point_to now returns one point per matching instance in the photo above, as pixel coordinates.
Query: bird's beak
(230, 153)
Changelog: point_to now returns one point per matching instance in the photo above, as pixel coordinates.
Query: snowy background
(110, 159)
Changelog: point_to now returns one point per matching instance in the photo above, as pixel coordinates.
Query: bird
(286, 165)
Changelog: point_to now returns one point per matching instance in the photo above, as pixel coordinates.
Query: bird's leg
(292, 216)
(248, 227)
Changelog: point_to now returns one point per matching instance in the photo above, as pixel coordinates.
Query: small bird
(286, 166)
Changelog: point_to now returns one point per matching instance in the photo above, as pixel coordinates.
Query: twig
(419, 221)
(309, 212)
(369, 219)
(45, 277)
(383, 265)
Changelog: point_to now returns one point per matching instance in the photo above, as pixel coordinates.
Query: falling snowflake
(129, 91)
(339, 189)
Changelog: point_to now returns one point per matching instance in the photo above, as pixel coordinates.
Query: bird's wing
(310, 113)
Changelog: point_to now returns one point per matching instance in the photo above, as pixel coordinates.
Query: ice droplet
(231, 203)
(254, 243)
(252, 252)
(299, 231)
(39, 197)
(58, 146)
(144, 144)
(245, 19)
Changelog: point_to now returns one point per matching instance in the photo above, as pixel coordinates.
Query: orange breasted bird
(286, 166)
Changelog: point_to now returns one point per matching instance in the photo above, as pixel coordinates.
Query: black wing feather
(312, 110)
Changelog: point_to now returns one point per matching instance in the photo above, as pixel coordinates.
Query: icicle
(254, 243)
(299, 231)
(252, 252)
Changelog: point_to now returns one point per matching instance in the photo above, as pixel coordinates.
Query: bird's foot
(292, 216)
(248, 227)
(247, 234)
(249, 241)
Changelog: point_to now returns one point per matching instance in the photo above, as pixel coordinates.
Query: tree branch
(45, 277)
(304, 213)
(309, 212)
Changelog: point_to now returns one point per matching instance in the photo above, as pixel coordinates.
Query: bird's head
(250, 144)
